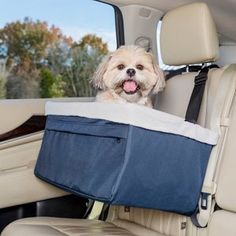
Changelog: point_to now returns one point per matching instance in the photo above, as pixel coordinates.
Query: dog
(129, 74)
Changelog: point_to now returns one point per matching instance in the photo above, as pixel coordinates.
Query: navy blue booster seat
(125, 154)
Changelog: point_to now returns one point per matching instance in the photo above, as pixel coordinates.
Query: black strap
(172, 73)
(197, 94)
(196, 97)
(104, 213)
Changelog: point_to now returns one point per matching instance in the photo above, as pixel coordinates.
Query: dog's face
(130, 72)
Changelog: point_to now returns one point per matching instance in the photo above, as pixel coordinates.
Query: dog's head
(130, 72)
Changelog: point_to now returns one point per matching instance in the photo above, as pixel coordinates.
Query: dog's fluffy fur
(129, 74)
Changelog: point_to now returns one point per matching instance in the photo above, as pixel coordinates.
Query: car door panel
(16, 112)
(18, 155)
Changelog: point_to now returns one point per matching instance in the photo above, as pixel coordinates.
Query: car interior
(193, 33)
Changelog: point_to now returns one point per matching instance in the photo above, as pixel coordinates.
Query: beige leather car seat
(188, 36)
(217, 113)
(223, 221)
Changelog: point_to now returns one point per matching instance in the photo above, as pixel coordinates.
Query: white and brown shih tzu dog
(129, 74)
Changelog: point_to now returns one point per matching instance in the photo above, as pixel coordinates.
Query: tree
(23, 85)
(58, 57)
(84, 58)
(3, 76)
(50, 85)
(95, 42)
(27, 44)
(45, 63)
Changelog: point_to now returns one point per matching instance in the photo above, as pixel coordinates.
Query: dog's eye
(120, 67)
(139, 67)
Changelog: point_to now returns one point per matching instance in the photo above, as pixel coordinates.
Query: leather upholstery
(222, 223)
(17, 177)
(188, 36)
(174, 101)
(225, 194)
(39, 226)
(148, 222)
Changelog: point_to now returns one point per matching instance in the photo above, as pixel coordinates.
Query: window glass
(50, 48)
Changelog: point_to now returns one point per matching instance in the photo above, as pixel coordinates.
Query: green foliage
(58, 57)
(51, 85)
(28, 41)
(2, 88)
(77, 64)
(3, 75)
(45, 63)
(78, 74)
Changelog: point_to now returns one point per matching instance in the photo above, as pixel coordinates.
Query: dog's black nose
(131, 72)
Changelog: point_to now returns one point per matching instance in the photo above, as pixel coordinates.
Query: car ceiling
(223, 11)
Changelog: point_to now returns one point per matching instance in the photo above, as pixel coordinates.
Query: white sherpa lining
(133, 114)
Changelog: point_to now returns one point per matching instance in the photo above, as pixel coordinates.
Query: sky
(74, 17)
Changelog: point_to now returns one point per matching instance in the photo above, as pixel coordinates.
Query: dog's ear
(160, 84)
(97, 79)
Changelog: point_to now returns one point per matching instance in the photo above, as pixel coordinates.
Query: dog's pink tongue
(129, 86)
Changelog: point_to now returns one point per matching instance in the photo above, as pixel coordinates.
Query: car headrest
(188, 36)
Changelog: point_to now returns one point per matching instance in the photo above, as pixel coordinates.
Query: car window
(50, 48)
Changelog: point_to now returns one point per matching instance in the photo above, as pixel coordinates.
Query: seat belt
(220, 123)
(197, 95)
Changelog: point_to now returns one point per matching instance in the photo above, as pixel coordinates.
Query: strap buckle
(204, 200)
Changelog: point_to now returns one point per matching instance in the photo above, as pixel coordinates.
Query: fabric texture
(133, 114)
(123, 164)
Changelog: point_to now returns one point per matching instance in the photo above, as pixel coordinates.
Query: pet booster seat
(125, 154)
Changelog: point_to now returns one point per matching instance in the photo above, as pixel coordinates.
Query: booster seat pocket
(79, 152)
